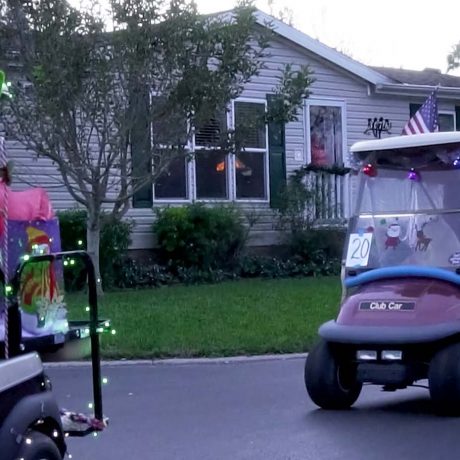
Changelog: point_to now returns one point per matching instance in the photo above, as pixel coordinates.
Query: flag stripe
(425, 119)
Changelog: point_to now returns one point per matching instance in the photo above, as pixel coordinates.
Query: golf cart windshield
(406, 216)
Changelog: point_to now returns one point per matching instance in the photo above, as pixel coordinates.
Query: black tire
(330, 384)
(37, 446)
(444, 380)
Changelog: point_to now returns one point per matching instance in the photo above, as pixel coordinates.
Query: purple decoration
(413, 175)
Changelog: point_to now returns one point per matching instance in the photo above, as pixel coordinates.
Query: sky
(413, 34)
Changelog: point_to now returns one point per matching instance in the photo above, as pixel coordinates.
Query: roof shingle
(429, 77)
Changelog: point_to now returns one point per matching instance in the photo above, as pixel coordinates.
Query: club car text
(389, 305)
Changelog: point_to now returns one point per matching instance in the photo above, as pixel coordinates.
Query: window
(251, 158)
(211, 163)
(172, 183)
(208, 171)
(326, 134)
(139, 143)
(446, 121)
(169, 133)
(211, 174)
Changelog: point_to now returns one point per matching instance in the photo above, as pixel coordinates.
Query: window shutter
(457, 118)
(140, 140)
(413, 109)
(277, 158)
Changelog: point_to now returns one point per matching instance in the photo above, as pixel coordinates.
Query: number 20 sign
(359, 247)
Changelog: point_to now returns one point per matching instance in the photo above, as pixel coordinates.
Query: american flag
(425, 119)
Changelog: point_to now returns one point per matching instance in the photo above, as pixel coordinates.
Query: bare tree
(93, 82)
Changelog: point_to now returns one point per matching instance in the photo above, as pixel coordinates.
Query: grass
(240, 317)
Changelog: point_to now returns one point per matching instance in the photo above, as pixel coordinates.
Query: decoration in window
(326, 137)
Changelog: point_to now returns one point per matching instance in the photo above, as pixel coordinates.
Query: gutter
(404, 89)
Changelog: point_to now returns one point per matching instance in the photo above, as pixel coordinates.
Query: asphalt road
(254, 411)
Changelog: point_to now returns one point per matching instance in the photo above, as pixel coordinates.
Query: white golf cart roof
(407, 142)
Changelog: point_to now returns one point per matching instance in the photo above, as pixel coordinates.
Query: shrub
(201, 237)
(314, 245)
(115, 240)
(133, 274)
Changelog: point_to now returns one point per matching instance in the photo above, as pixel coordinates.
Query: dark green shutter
(277, 158)
(457, 118)
(413, 109)
(140, 145)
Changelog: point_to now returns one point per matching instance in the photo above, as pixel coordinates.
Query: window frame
(191, 148)
(449, 112)
(263, 151)
(340, 103)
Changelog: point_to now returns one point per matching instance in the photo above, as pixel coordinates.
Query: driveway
(252, 410)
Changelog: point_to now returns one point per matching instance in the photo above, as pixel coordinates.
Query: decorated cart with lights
(399, 321)
(29, 228)
(33, 318)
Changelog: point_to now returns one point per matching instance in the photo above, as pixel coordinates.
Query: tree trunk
(93, 236)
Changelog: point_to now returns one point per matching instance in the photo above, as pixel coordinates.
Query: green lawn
(240, 317)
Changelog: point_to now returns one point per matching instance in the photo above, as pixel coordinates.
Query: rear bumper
(385, 335)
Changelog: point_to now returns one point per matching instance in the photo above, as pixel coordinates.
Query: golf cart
(399, 320)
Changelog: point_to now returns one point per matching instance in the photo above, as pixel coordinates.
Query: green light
(80, 243)
(99, 330)
(26, 257)
(8, 289)
(72, 261)
(114, 331)
(87, 309)
(105, 380)
(90, 405)
(66, 262)
(107, 324)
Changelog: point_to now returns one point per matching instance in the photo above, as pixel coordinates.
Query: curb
(182, 361)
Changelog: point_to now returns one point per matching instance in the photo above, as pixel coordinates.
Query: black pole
(95, 346)
(93, 311)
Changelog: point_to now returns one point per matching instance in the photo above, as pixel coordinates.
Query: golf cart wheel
(37, 446)
(444, 380)
(330, 384)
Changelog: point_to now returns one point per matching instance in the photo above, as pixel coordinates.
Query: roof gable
(322, 50)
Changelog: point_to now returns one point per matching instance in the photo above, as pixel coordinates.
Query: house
(346, 98)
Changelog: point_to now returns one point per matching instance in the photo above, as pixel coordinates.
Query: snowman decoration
(393, 236)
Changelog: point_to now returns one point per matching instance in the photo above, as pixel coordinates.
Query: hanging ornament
(370, 170)
(456, 163)
(413, 175)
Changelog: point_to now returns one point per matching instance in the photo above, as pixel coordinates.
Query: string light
(114, 331)
(456, 163)
(8, 289)
(26, 257)
(105, 380)
(80, 243)
(87, 309)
